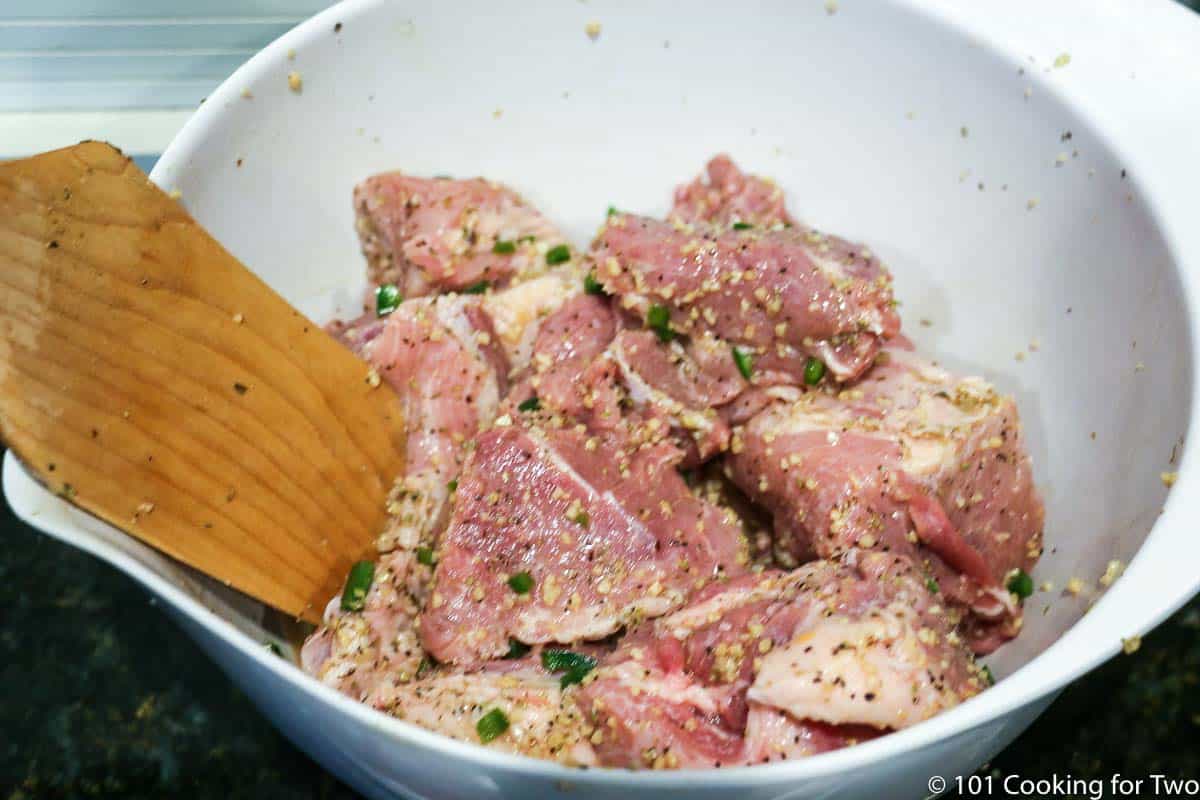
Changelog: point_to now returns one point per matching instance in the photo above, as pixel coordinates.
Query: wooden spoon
(148, 377)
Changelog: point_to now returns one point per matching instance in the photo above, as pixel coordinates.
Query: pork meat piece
(518, 312)
(725, 195)
(778, 296)
(430, 235)
(775, 735)
(914, 461)
(664, 379)
(710, 483)
(778, 665)
(561, 373)
(562, 535)
(543, 720)
(450, 359)
(439, 356)
(367, 654)
(590, 372)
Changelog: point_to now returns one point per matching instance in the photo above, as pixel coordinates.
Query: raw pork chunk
(429, 235)
(543, 720)
(368, 654)
(441, 358)
(779, 296)
(561, 535)
(588, 371)
(780, 665)
(725, 195)
(914, 461)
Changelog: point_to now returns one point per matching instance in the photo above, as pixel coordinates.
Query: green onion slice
(558, 254)
(531, 404)
(744, 363)
(658, 319)
(491, 725)
(814, 370)
(521, 583)
(504, 248)
(574, 666)
(591, 285)
(476, 288)
(387, 299)
(1020, 584)
(357, 585)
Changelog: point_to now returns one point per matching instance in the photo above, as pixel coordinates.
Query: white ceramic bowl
(930, 133)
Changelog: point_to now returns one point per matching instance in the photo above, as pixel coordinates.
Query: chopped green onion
(814, 370)
(524, 239)
(425, 556)
(744, 364)
(476, 288)
(274, 648)
(521, 583)
(491, 725)
(582, 519)
(516, 649)
(591, 285)
(558, 254)
(574, 666)
(988, 676)
(532, 404)
(658, 319)
(612, 210)
(426, 665)
(504, 248)
(453, 485)
(1020, 584)
(557, 660)
(932, 585)
(357, 585)
(387, 299)
(742, 226)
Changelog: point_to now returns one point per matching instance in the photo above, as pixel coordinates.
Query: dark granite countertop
(105, 697)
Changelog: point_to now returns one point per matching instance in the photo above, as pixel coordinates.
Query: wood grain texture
(151, 379)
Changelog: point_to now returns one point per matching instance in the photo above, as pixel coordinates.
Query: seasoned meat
(433, 353)
(912, 460)
(687, 501)
(779, 296)
(429, 235)
(664, 380)
(543, 720)
(827, 654)
(560, 371)
(367, 654)
(724, 195)
(560, 535)
(518, 312)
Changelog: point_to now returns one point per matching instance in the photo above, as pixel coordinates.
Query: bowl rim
(1042, 675)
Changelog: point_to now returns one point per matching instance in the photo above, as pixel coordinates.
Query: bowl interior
(1021, 250)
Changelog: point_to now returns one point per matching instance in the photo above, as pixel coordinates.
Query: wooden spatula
(149, 378)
